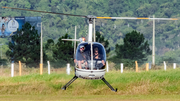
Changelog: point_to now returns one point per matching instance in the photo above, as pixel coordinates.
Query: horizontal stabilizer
(71, 39)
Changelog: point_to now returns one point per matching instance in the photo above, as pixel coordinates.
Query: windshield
(83, 56)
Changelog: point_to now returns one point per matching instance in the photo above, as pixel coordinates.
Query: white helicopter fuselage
(95, 68)
(90, 74)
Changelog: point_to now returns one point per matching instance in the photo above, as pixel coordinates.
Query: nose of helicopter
(90, 74)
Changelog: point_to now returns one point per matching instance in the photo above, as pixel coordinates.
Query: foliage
(25, 45)
(171, 57)
(49, 47)
(167, 32)
(62, 50)
(135, 48)
(3, 61)
(100, 39)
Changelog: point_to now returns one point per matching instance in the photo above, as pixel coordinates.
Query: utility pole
(1, 54)
(41, 53)
(75, 43)
(153, 46)
(1, 50)
(94, 32)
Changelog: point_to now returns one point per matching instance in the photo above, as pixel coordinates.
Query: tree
(105, 43)
(134, 48)
(49, 47)
(53, 24)
(25, 45)
(3, 61)
(62, 50)
(171, 56)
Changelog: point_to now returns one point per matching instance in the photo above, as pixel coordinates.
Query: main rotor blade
(136, 18)
(45, 12)
(87, 17)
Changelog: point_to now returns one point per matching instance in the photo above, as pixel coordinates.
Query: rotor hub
(90, 18)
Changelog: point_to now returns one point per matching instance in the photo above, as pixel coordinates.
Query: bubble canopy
(83, 56)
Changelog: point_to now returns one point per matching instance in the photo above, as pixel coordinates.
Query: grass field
(89, 98)
(152, 85)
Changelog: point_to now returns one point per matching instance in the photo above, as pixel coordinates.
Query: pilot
(82, 58)
(99, 59)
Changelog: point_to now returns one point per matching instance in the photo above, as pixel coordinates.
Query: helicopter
(90, 67)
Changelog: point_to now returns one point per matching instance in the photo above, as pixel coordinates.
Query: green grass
(154, 82)
(90, 98)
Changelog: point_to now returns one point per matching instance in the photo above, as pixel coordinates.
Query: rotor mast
(90, 20)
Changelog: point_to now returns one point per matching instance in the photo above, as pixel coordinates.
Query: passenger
(82, 58)
(99, 59)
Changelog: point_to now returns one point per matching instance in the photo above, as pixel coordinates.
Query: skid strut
(71, 81)
(104, 80)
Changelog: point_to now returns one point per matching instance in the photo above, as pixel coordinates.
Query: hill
(54, 26)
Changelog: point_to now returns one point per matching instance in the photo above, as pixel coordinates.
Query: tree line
(54, 25)
(167, 32)
(25, 47)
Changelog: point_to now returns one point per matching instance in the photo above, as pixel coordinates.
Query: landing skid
(71, 81)
(75, 77)
(104, 80)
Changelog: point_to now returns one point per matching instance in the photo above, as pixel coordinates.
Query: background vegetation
(55, 26)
